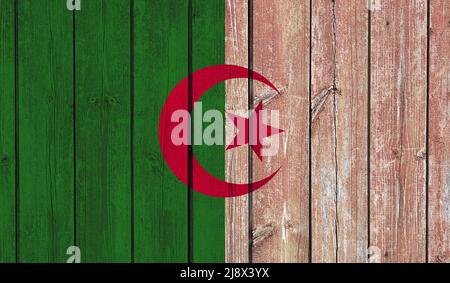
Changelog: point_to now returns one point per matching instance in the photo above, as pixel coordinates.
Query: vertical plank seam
(427, 134)
(250, 107)
(336, 189)
(309, 138)
(74, 138)
(369, 94)
(190, 173)
(16, 126)
(132, 127)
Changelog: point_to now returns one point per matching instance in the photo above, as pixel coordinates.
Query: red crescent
(176, 157)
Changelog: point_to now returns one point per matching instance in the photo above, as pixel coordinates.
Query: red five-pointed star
(256, 126)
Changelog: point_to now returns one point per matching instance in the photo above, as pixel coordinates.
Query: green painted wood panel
(102, 132)
(103, 146)
(161, 61)
(208, 48)
(7, 134)
(45, 91)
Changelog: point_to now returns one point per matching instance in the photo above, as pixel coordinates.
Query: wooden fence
(364, 156)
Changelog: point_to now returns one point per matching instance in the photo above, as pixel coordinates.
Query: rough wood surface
(45, 89)
(161, 201)
(281, 209)
(398, 130)
(236, 167)
(103, 173)
(7, 134)
(68, 110)
(351, 129)
(208, 213)
(339, 131)
(324, 191)
(439, 133)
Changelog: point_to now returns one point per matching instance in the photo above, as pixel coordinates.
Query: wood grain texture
(45, 131)
(324, 190)
(208, 213)
(236, 168)
(355, 170)
(351, 129)
(398, 130)
(439, 132)
(281, 208)
(103, 131)
(161, 210)
(339, 84)
(7, 134)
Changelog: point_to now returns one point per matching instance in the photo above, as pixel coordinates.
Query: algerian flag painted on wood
(81, 94)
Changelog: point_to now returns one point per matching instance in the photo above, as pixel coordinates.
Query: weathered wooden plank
(351, 129)
(281, 208)
(398, 130)
(324, 190)
(45, 99)
(103, 131)
(236, 168)
(7, 133)
(161, 61)
(208, 213)
(439, 132)
(339, 131)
